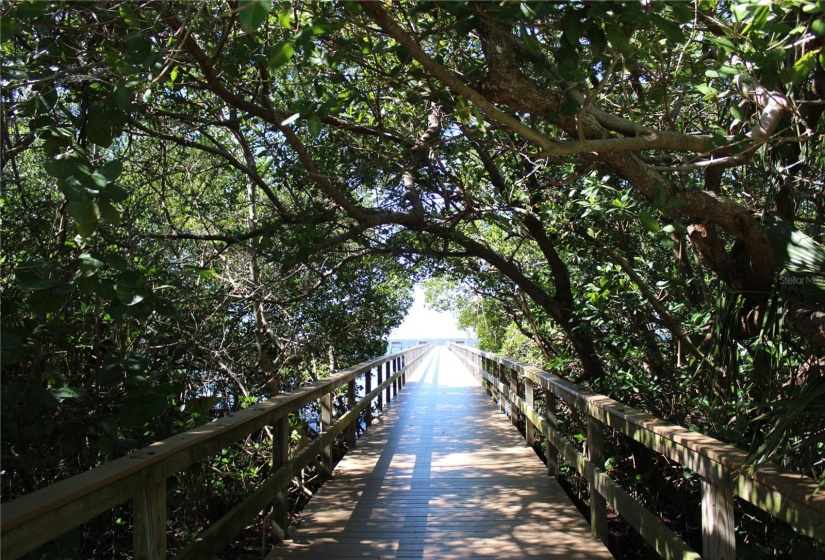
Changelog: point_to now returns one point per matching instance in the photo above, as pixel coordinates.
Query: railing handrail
(791, 497)
(79, 498)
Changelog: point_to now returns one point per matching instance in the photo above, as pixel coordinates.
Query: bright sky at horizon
(421, 322)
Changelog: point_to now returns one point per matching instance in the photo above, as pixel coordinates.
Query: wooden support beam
(550, 407)
(380, 400)
(529, 427)
(349, 433)
(280, 455)
(396, 368)
(389, 373)
(514, 414)
(718, 534)
(325, 466)
(150, 523)
(595, 454)
(367, 391)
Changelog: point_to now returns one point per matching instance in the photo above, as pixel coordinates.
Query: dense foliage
(198, 196)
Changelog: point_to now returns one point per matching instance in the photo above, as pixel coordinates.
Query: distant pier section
(398, 344)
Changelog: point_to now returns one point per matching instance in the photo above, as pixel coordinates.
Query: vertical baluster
(395, 369)
(550, 408)
(502, 400)
(529, 427)
(367, 390)
(487, 367)
(514, 411)
(326, 422)
(389, 373)
(150, 522)
(280, 455)
(718, 537)
(349, 431)
(380, 380)
(598, 505)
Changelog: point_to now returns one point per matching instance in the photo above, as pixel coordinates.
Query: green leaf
(46, 302)
(108, 212)
(86, 214)
(67, 164)
(252, 13)
(9, 28)
(793, 249)
(707, 91)
(803, 67)
(314, 124)
(818, 27)
(281, 53)
(618, 40)
(73, 189)
(201, 405)
(111, 170)
(114, 193)
(88, 262)
(648, 221)
(671, 29)
(11, 348)
(572, 27)
(105, 123)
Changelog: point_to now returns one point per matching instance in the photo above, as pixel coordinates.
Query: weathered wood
(219, 534)
(280, 456)
(380, 399)
(529, 401)
(550, 407)
(326, 405)
(656, 533)
(407, 492)
(367, 390)
(37, 518)
(349, 433)
(598, 505)
(789, 496)
(390, 371)
(514, 414)
(718, 529)
(149, 535)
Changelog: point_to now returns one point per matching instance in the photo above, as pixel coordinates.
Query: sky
(425, 323)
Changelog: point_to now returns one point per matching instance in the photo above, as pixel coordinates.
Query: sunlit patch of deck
(442, 475)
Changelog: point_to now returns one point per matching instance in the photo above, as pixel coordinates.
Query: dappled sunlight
(445, 475)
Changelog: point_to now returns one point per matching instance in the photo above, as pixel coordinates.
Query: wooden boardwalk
(444, 475)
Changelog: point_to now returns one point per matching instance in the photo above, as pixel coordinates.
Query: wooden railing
(788, 496)
(33, 520)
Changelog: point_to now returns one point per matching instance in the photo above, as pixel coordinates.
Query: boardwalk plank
(443, 474)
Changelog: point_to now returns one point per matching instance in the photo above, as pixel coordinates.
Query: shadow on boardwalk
(442, 475)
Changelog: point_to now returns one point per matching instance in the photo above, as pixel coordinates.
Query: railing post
(550, 406)
(718, 536)
(486, 367)
(598, 505)
(349, 431)
(326, 421)
(403, 375)
(514, 411)
(367, 390)
(500, 376)
(389, 373)
(150, 522)
(395, 369)
(280, 455)
(380, 403)
(529, 427)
